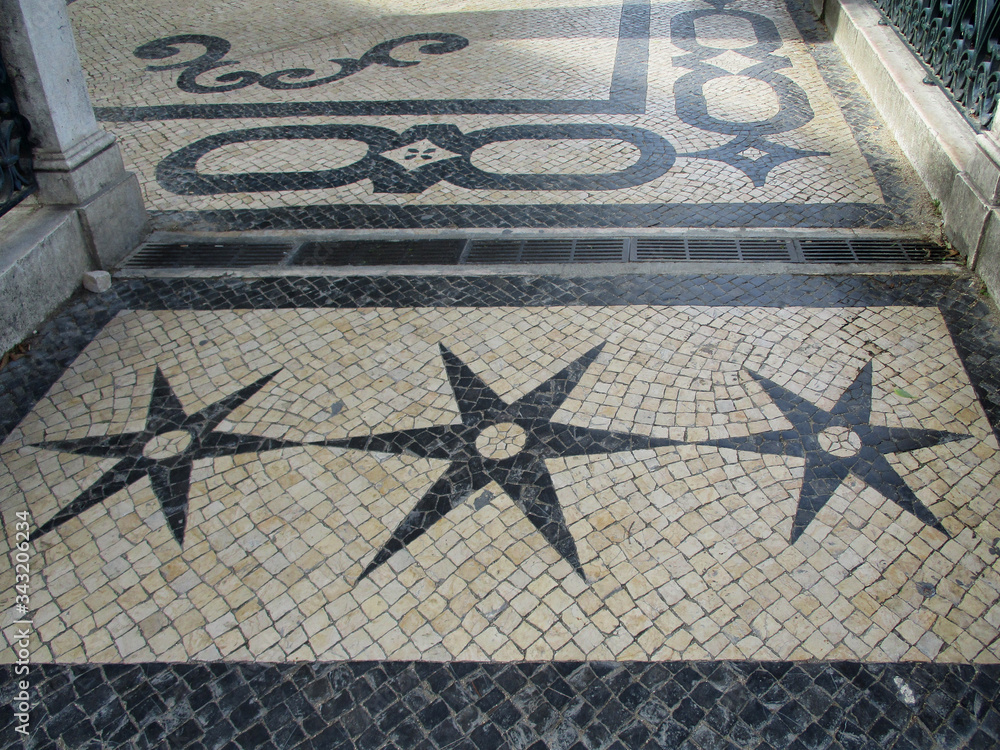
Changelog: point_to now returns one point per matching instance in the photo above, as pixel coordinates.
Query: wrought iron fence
(17, 181)
(960, 41)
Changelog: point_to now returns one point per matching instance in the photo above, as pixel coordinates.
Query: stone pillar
(78, 166)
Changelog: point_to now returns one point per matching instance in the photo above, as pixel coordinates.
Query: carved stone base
(41, 262)
(114, 221)
(88, 168)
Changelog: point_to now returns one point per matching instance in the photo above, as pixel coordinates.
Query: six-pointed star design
(825, 470)
(523, 475)
(169, 475)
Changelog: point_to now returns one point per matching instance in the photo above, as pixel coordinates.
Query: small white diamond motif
(415, 155)
(753, 154)
(732, 62)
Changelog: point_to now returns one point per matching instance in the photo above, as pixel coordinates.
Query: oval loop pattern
(410, 174)
(756, 60)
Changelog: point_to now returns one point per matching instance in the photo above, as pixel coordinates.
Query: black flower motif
(164, 451)
(520, 470)
(839, 442)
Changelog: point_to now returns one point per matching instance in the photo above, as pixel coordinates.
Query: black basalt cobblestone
(695, 215)
(971, 320)
(566, 705)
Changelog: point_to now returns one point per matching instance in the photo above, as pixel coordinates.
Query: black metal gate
(960, 41)
(17, 181)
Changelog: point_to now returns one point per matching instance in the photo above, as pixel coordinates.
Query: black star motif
(523, 475)
(170, 476)
(824, 471)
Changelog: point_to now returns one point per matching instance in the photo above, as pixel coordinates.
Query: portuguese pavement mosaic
(624, 114)
(502, 511)
(780, 473)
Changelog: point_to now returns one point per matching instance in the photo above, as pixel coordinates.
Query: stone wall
(960, 168)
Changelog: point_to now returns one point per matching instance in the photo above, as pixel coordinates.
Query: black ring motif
(178, 172)
(794, 109)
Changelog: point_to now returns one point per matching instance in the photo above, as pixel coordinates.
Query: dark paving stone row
(559, 705)
(972, 322)
(695, 215)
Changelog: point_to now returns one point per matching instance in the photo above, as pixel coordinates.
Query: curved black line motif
(794, 109)
(627, 95)
(216, 48)
(178, 172)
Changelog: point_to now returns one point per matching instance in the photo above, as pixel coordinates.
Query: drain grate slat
(600, 251)
(547, 251)
(501, 251)
(590, 250)
(765, 250)
(380, 253)
(648, 249)
(870, 250)
(723, 250)
(536, 250)
(208, 255)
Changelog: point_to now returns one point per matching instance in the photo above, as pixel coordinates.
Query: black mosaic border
(973, 324)
(693, 215)
(558, 705)
(403, 107)
(867, 126)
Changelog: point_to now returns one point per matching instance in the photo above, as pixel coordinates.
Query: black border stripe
(973, 325)
(725, 705)
(476, 216)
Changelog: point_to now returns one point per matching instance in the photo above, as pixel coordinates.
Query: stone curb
(960, 168)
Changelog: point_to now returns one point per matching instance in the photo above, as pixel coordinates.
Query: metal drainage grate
(208, 255)
(380, 253)
(527, 251)
(705, 249)
(591, 250)
(870, 251)
(722, 249)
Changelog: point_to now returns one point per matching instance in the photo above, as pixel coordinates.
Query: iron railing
(960, 42)
(17, 180)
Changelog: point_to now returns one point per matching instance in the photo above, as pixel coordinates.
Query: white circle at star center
(840, 441)
(500, 441)
(167, 445)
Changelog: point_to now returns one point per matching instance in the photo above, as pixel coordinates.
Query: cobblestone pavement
(633, 511)
(388, 511)
(410, 114)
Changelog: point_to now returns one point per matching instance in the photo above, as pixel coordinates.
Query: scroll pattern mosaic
(639, 114)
